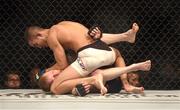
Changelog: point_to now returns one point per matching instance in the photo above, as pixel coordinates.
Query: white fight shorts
(93, 56)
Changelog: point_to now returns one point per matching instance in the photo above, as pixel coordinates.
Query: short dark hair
(28, 32)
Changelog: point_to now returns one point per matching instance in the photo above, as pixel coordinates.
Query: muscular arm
(57, 49)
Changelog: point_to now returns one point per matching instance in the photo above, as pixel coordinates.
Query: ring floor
(28, 99)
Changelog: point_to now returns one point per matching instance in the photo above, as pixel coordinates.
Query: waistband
(98, 44)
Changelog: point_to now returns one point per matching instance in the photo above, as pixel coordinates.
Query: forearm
(60, 58)
(62, 64)
(68, 85)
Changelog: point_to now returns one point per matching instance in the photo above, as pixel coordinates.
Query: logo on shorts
(81, 63)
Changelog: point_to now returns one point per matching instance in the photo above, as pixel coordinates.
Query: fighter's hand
(95, 32)
(81, 89)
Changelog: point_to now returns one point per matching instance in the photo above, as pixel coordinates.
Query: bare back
(72, 35)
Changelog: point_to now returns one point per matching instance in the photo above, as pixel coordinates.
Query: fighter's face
(37, 42)
(49, 76)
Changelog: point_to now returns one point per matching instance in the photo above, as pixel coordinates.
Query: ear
(39, 35)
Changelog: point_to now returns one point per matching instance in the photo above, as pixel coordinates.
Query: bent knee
(98, 71)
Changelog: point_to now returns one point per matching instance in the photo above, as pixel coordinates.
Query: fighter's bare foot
(133, 89)
(144, 66)
(99, 84)
(131, 33)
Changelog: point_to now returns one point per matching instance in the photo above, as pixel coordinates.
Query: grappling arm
(57, 49)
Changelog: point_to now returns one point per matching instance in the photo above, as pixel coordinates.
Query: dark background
(158, 38)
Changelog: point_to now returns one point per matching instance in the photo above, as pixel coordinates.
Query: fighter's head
(36, 37)
(47, 78)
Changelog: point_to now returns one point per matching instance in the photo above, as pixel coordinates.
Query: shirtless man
(72, 35)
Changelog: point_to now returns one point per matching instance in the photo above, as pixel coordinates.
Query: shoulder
(54, 28)
(58, 28)
(52, 38)
(65, 22)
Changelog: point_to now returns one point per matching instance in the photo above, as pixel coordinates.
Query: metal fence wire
(158, 38)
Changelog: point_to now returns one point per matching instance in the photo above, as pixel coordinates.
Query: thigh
(119, 62)
(67, 74)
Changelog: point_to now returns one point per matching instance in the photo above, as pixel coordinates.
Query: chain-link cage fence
(158, 38)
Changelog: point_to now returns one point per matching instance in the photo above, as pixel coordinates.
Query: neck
(45, 32)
